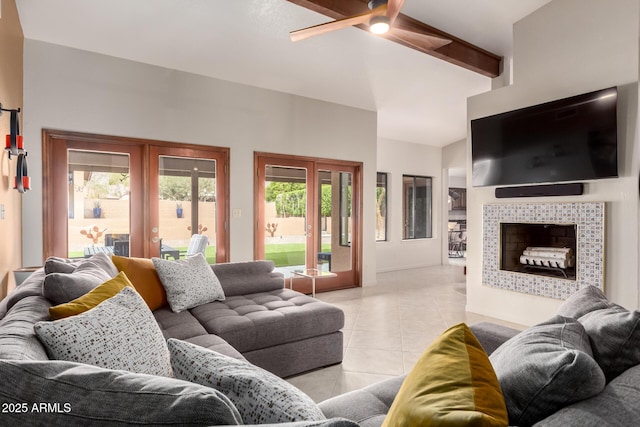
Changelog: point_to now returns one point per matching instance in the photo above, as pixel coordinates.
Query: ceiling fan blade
(393, 9)
(316, 30)
(420, 40)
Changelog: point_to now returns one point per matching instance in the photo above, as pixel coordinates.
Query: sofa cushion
(266, 319)
(242, 278)
(452, 384)
(79, 394)
(189, 282)
(616, 405)
(91, 299)
(61, 288)
(614, 331)
(259, 396)
(119, 333)
(17, 338)
(143, 276)
(545, 368)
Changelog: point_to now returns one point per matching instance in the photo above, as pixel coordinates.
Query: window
(416, 206)
(381, 207)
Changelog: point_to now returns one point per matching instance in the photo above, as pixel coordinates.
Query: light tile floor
(388, 325)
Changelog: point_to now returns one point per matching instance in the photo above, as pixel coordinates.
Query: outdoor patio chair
(197, 244)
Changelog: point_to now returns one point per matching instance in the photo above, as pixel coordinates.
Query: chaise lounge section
(278, 329)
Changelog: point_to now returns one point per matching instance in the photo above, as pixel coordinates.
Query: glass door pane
(187, 207)
(98, 203)
(334, 213)
(285, 212)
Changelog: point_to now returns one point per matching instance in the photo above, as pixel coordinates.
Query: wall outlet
(236, 213)
(2, 211)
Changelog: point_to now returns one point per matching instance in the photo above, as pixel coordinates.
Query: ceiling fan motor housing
(375, 3)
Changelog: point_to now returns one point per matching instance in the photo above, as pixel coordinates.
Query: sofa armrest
(492, 335)
(367, 406)
(251, 277)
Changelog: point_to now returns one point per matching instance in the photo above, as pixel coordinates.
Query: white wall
(399, 158)
(75, 90)
(454, 155)
(566, 48)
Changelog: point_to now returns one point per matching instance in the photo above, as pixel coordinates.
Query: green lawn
(282, 254)
(285, 254)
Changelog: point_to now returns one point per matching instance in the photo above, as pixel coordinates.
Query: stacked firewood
(548, 257)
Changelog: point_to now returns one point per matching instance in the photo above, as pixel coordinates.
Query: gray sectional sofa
(280, 330)
(259, 320)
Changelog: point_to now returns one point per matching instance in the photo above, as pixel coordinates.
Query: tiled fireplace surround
(589, 220)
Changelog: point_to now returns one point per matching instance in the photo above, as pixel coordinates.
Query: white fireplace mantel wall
(566, 48)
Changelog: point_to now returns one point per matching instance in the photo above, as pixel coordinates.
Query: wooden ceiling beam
(458, 52)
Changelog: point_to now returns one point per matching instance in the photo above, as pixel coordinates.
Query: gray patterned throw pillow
(259, 396)
(188, 282)
(119, 333)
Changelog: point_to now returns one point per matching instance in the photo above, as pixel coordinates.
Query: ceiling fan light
(379, 24)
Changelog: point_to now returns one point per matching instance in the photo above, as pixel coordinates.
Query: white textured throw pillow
(119, 333)
(189, 282)
(259, 396)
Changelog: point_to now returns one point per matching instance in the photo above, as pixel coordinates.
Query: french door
(132, 197)
(308, 216)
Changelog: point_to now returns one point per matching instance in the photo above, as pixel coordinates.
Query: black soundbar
(570, 189)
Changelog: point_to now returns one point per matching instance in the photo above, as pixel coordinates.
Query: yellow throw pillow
(453, 384)
(92, 298)
(144, 278)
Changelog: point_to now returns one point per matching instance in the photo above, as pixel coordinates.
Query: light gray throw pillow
(60, 288)
(119, 333)
(614, 331)
(78, 394)
(259, 396)
(546, 368)
(69, 265)
(189, 282)
(55, 264)
(584, 301)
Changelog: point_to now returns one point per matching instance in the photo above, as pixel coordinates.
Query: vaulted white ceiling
(418, 98)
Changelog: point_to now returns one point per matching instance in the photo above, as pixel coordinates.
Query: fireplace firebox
(541, 249)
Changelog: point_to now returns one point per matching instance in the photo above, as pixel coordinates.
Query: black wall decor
(14, 146)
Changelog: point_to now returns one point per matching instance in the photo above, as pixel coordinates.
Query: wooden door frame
(260, 160)
(222, 182)
(263, 158)
(55, 160)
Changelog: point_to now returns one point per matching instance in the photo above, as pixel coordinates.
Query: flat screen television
(572, 139)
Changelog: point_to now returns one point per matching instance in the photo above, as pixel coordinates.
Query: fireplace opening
(542, 249)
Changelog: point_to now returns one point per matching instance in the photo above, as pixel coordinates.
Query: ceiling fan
(381, 17)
